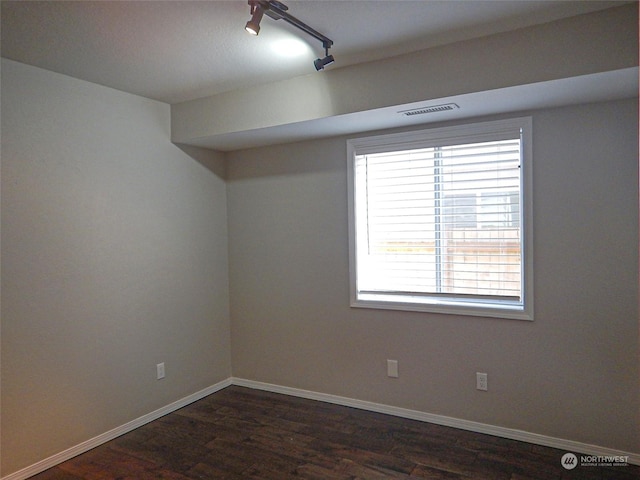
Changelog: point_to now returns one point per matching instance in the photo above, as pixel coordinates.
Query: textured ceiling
(175, 51)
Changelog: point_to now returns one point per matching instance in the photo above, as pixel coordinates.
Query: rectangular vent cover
(431, 109)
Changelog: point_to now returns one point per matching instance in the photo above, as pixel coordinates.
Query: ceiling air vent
(430, 109)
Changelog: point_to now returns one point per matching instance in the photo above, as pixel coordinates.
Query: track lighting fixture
(278, 10)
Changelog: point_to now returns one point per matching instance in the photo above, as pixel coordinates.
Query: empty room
(319, 239)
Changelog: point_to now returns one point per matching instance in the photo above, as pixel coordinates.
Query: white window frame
(461, 134)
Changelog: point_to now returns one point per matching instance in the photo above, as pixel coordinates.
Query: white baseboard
(94, 442)
(534, 438)
(512, 434)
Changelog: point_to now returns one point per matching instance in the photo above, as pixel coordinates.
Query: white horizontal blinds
(442, 220)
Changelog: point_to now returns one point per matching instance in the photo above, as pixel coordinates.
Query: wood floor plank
(56, 473)
(240, 433)
(107, 464)
(368, 458)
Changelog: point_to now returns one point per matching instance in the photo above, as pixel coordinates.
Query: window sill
(474, 308)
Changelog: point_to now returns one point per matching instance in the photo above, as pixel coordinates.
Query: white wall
(573, 373)
(114, 258)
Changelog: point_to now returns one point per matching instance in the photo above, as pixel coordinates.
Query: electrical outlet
(160, 370)
(482, 381)
(392, 368)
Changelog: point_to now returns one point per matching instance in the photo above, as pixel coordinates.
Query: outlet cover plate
(482, 381)
(392, 368)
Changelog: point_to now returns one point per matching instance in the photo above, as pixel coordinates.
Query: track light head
(320, 63)
(253, 25)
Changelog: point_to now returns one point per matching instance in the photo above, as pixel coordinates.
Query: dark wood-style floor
(240, 433)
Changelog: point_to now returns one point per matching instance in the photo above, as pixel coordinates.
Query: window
(440, 220)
